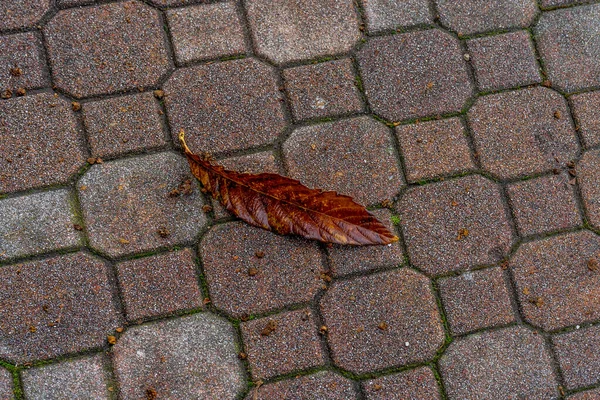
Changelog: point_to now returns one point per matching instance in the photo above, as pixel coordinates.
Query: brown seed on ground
(557, 114)
(21, 92)
(111, 339)
(119, 330)
(267, 330)
(259, 254)
(151, 394)
(252, 271)
(242, 356)
(163, 232)
(16, 71)
(159, 94)
(7, 94)
(592, 264)
(76, 106)
(383, 326)
(205, 208)
(77, 227)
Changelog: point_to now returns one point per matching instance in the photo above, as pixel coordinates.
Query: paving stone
(588, 171)
(170, 3)
(73, 3)
(206, 31)
(354, 157)
(284, 32)
(323, 89)
(121, 124)
(416, 384)
(475, 16)
(6, 385)
(510, 363)
(504, 61)
(556, 281)
(321, 385)
(85, 46)
(414, 74)
(17, 14)
(160, 284)
(225, 106)
(23, 63)
(569, 43)
(55, 306)
(434, 148)
(192, 357)
(578, 356)
(476, 300)
(554, 3)
(455, 224)
(544, 204)
(585, 109)
(282, 343)
(126, 202)
(288, 269)
(40, 142)
(390, 14)
(522, 132)
(593, 394)
(37, 223)
(84, 378)
(381, 321)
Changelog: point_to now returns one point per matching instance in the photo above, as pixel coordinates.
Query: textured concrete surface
(587, 119)
(384, 15)
(417, 384)
(22, 13)
(6, 384)
(578, 358)
(23, 51)
(322, 385)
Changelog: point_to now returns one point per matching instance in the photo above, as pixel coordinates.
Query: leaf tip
(181, 137)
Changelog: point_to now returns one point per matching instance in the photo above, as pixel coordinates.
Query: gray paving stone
(23, 63)
(578, 356)
(416, 384)
(391, 14)
(588, 171)
(593, 394)
(585, 109)
(16, 14)
(414, 74)
(321, 385)
(126, 202)
(192, 357)
(6, 385)
(73, 3)
(83, 378)
(284, 31)
(554, 3)
(85, 46)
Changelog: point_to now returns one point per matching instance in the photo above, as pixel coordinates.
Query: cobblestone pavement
(470, 127)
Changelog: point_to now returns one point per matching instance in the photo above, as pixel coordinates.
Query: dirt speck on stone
(269, 328)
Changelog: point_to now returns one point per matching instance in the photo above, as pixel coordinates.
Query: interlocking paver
(22, 62)
(224, 106)
(383, 320)
(16, 14)
(417, 384)
(585, 109)
(390, 14)
(55, 306)
(282, 343)
(354, 157)
(588, 176)
(6, 385)
(522, 132)
(509, 363)
(476, 16)
(321, 385)
(250, 270)
(283, 31)
(414, 74)
(41, 144)
(504, 61)
(476, 300)
(569, 44)
(73, 3)
(121, 124)
(126, 204)
(191, 357)
(554, 3)
(159, 284)
(323, 89)
(455, 224)
(593, 394)
(206, 31)
(106, 49)
(434, 148)
(556, 281)
(578, 356)
(84, 378)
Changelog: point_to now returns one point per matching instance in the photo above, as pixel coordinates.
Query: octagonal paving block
(6, 384)
(415, 384)
(588, 171)
(321, 385)
(106, 49)
(558, 281)
(15, 14)
(128, 208)
(414, 74)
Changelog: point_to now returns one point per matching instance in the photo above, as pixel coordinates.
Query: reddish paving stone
(22, 61)
(170, 3)
(323, 89)
(381, 321)
(321, 385)
(593, 394)
(585, 109)
(84, 378)
(414, 74)
(40, 142)
(55, 306)
(588, 171)
(511, 363)
(390, 14)
(455, 224)
(475, 16)
(476, 300)
(504, 61)
(206, 31)
(354, 157)
(161, 284)
(73, 3)
(287, 273)
(544, 204)
(16, 14)
(578, 356)
(225, 106)
(192, 357)
(417, 384)
(569, 44)
(126, 202)
(554, 3)
(6, 385)
(292, 344)
(522, 132)
(434, 148)
(85, 46)
(286, 31)
(556, 281)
